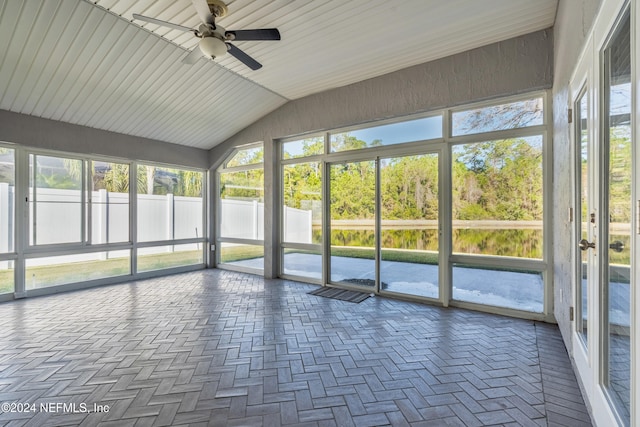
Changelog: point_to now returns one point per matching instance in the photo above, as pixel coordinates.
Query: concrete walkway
(517, 290)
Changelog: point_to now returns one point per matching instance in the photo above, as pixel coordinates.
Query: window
(169, 256)
(301, 212)
(78, 219)
(385, 204)
(497, 212)
(511, 115)
(246, 157)
(64, 269)
(55, 200)
(241, 210)
(7, 200)
(7, 218)
(390, 134)
(170, 204)
(510, 287)
(303, 148)
(109, 202)
(242, 204)
(498, 198)
(170, 207)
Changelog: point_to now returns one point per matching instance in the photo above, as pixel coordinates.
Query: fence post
(255, 220)
(170, 219)
(102, 220)
(310, 225)
(5, 214)
(285, 224)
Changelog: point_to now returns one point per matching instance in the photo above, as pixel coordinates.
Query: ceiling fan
(214, 40)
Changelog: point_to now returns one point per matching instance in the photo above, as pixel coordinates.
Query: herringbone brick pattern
(228, 349)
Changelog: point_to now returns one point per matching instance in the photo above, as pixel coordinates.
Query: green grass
(168, 260)
(240, 253)
(52, 275)
(6, 281)
(415, 257)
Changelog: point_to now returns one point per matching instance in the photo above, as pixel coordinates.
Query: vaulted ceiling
(90, 63)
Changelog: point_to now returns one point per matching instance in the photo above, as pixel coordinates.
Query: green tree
(190, 183)
(500, 180)
(116, 179)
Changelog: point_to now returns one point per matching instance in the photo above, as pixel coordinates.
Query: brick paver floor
(221, 348)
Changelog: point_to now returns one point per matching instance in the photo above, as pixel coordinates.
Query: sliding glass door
(352, 207)
(409, 226)
(384, 224)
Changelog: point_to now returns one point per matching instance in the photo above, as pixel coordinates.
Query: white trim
(591, 363)
(23, 251)
(442, 146)
(635, 192)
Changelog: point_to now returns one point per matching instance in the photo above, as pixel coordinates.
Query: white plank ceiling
(90, 63)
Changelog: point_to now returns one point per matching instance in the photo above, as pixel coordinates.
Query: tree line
(497, 180)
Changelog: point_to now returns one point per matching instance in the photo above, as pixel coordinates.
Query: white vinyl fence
(59, 215)
(242, 219)
(6, 219)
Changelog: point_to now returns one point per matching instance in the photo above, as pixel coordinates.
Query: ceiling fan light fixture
(212, 47)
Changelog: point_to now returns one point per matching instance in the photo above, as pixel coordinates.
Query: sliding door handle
(616, 246)
(585, 244)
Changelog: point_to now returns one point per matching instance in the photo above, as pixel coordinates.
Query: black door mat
(341, 294)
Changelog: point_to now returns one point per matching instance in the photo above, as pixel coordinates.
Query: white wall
(54, 135)
(573, 22)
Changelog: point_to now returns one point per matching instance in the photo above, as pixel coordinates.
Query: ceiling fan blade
(261, 34)
(193, 56)
(162, 23)
(244, 58)
(202, 8)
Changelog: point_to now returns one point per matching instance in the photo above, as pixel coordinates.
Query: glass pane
(303, 263)
(409, 235)
(497, 198)
(352, 223)
(7, 276)
(170, 256)
(251, 256)
(65, 269)
(302, 211)
(247, 156)
(582, 140)
(499, 287)
(7, 200)
(498, 117)
(303, 148)
(242, 204)
(169, 204)
(55, 201)
(109, 202)
(618, 142)
(394, 133)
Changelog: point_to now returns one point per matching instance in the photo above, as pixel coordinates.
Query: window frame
(23, 251)
(11, 256)
(536, 265)
(447, 142)
(203, 240)
(219, 239)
